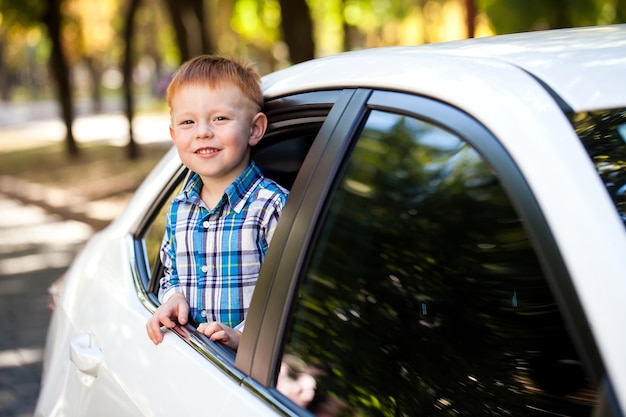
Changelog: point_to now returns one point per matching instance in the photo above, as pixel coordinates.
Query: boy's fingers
(209, 329)
(167, 322)
(154, 331)
(219, 336)
(155, 324)
(183, 313)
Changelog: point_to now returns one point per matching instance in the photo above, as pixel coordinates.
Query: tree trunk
(179, 28)
(52, 20)
(132, 151)
(93, 67)
(190, 27)
(205, 40)
(470, 13)
(5, 94)
(297, 28)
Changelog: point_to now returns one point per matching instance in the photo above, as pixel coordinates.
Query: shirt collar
(235, 194)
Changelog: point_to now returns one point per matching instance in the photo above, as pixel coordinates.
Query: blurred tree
(369, 23)
(95, 34)
(297, 28)
(509, 16)
(16, 18)
(190, 26)
(157, 42)
(52, 18)
(188, 20)
(127, 69)
(29, 13)
(4, 77)
(255, 32)
(273, 33)
(470, 16)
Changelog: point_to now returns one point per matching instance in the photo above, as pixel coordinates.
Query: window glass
(603, 133)
(154, 236)
(422, 294)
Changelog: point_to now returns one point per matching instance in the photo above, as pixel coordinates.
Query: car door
(417, 275)
(186, 374)
(110, 367)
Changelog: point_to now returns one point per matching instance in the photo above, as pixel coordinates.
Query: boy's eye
(187, 122)
(220, 118)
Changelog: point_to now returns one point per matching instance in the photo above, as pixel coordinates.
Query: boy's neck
(210, 199)
(213, 188)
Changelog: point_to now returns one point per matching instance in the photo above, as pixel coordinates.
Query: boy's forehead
(200, 87)
(209, 85)
(209, 88)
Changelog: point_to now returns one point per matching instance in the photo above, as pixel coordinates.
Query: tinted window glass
(603, 133)
(154, 235)
(422, 294)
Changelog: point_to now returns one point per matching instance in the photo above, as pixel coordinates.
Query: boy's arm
(271, 217)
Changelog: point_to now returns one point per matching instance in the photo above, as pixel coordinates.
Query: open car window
(293, 126)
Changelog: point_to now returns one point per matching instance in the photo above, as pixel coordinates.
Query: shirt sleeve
(272, 214)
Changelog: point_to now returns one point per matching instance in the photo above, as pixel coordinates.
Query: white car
(453, 245)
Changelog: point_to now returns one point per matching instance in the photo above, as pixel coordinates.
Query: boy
(219, 227)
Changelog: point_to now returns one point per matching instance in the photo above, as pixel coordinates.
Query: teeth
(206, 151)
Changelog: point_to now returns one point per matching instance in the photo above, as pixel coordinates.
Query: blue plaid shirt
(213, 256)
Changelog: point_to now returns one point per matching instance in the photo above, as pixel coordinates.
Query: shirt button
(205, 224)
(203, 313)
(205, 268)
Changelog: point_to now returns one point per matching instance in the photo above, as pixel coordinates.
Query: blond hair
(214, 71)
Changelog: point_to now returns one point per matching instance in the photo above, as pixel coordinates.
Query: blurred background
(94, 56)
(83, 117)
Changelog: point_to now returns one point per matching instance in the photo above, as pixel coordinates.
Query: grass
(98, 165)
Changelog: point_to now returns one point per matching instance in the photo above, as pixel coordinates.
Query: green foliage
(509, 16)
(603, 133)
(257, 22)
(21, 12)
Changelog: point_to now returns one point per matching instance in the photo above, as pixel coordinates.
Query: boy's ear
(257, 130)
(172, 134)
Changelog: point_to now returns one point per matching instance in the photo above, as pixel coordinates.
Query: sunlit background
(161, 33)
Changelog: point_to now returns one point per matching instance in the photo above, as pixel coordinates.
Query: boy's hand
(219, 332)
(175, 308)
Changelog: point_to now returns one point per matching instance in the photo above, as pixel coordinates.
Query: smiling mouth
(206, 151)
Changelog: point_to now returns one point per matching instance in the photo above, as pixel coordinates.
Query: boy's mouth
(206, 151)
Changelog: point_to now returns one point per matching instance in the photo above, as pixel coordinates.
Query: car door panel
(115, 368)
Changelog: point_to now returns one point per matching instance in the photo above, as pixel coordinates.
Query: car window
(422, 294)
(293, 126)
(279, 156)
(154, 235)
(603, 134)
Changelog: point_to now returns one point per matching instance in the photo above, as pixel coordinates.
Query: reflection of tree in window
(423, 296)
(603, 133)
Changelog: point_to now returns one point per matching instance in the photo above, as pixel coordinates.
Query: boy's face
(213, 129)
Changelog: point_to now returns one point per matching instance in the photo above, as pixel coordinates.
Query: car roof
(584, 67)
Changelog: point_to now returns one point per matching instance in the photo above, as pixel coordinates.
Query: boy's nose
(204, 130)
